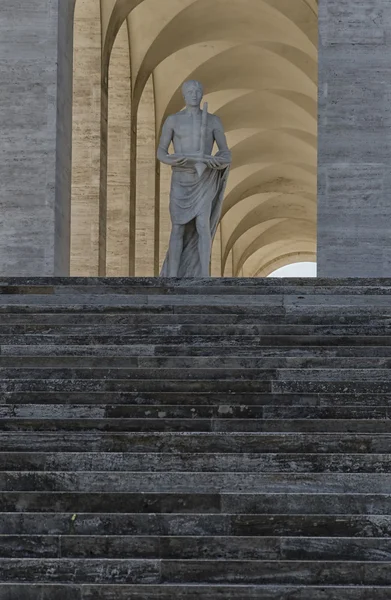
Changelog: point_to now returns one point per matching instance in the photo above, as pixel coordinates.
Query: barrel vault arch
(258, 62)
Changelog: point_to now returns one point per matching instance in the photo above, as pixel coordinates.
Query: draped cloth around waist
(192, 196)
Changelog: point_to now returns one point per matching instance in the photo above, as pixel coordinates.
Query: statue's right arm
(164, 144)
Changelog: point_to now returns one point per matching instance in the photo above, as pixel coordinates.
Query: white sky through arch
(305, 269)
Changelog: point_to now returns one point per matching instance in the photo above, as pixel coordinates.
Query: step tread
(193, 547)
(18, 591)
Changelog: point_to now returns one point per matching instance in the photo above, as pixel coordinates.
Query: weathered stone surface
(195, 482)
(190, 592)
(67, 570)
(198, 183)
(202, 462)
(36, 113)
(225, 592)
(39, 592)
(277, 572)
(109, 502)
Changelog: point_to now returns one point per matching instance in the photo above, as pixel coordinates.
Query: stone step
(143, 286)
(293, 308)
(148, 374)
(373, 375)
(101, 285)
(209, 411)
(143, 571)
(146, 282)
(201, 462)
(344, 386)
(159, 318)
(184, 482)
(116, 299)
(210, 439)
(195, 329)
(329, 526)
(167, 288)
(374, 426)
(192, 547)
(216, 287)
(294, 443)
(221, 342)
(290, 301)
(209, 374)
(15, 591)
(346, 527)
(285, 504)
(190, 363)
(331, 412)
(179, 399)
(234, 362)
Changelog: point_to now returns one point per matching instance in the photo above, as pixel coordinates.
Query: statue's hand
(188, 161)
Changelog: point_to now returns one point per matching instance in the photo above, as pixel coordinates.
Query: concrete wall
(35, 125)
(354, 214)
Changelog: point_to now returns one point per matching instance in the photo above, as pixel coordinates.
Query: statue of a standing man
(198, 183)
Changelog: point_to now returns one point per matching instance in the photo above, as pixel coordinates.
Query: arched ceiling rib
(280, 177)
(296, 15)
(282, 259)
(277, 111)
(223, 66)
(258, 62)
(261, 237)
(226, 20)
(266, 260)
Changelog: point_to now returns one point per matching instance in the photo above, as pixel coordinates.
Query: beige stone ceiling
(258, 62)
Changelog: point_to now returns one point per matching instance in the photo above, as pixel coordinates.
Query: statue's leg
(204, 242)
(175, 249)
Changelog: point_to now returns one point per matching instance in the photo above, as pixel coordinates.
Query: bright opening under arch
(258, 62)
(299, 269)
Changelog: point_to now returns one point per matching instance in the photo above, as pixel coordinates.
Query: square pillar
(36, 63)
(354, 214)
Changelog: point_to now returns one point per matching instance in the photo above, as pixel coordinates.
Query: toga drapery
(191, 196)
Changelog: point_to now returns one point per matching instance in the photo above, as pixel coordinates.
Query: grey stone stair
(207, 439)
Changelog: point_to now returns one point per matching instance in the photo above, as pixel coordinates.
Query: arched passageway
(258, 62)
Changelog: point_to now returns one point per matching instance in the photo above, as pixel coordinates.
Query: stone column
(354, 215)
(36, 49)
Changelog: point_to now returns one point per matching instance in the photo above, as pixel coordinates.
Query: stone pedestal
(36, 45)
(354, 220)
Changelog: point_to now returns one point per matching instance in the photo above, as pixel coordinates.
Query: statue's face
(193, 95)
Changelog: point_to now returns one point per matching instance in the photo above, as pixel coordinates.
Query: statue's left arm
(224, 156)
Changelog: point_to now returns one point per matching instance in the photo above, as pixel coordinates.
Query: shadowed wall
(258, 62)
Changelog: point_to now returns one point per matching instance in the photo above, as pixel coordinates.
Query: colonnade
(257, 60)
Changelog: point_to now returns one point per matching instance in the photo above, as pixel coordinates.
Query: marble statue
(197, 186)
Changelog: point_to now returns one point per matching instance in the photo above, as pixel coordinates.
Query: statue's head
(193, 92)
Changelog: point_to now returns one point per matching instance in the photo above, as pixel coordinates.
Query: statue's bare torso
(186, 132)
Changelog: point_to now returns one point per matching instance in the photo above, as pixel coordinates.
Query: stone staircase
(195, 440)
